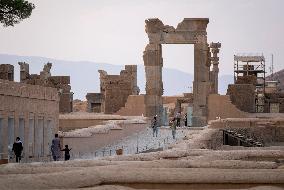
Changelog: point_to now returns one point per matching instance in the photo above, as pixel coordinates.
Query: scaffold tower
(252, 65)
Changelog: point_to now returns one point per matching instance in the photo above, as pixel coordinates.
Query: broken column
(24, 71)
(154, 85)
(215, 48)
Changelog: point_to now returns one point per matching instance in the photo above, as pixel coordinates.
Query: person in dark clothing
(55, 148)
(155, 126)
(18, 148)
(185, 119)
(178, 117)
(66, 152)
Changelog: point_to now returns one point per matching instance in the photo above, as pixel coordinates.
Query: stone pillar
(201, 83)
(154, 85)
(215, 48)
(24, 71)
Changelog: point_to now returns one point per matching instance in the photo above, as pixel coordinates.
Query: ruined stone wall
(270, 132)
(7, 72)
(94, 102)
(135, 106)
(243, 96)
(247, 79)
(30, 112)
(277, 98)
(116, 88)
(221, 106)
(61, 83)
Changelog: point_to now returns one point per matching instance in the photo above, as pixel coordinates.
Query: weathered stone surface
(243, 96)
(189, 31)
(276, 98)
(31, 112)
(94, 102)
(62, 83)
(7, 72)
(215, 48)
(115, 89)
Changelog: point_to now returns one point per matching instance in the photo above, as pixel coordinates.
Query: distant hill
(85, 76)
(278, 76)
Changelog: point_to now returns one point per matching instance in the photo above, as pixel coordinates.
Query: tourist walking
(66, 152)
(55, 148)
(18, 148)
(173, 127)
(155, 126)
(185, 120)
(178, 117)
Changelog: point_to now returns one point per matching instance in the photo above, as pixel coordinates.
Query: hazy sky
(112, 31)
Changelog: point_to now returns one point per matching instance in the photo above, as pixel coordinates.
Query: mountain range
(85, 76)
(278, 76)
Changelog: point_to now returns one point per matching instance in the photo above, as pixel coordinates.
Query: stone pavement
(139, 143)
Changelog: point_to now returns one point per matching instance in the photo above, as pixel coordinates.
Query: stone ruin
(62, 83)
(29, 112)
(115, 90)
(7, 72)
(189, 31)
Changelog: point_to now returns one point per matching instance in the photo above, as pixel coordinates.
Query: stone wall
(135, 106)
(30, 112)
(274, 98)
(243, 96)
(115, 89)
(62, 83)
(268, 131)
(221, 106)
(94, 102)
(7, 72)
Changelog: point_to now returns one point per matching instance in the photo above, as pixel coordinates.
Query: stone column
(154, 85)
(24, 71)
(201, 83)
(215, 48)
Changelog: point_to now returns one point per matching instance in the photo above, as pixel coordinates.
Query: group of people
(174, 123)
(55, 149)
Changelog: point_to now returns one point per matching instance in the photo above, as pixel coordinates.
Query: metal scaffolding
(252, 65)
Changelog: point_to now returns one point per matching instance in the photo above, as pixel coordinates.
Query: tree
(14, 11)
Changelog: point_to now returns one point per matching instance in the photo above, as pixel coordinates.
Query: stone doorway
(189, 31)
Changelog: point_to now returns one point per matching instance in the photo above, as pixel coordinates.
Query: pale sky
(113, 31)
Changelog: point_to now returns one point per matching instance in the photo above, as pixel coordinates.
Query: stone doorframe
(189, 31)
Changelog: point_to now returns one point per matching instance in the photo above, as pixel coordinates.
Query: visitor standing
(155, 126)
(185, 119)
(55, 148)
(178, 117)
(173, 127)
(18, 148)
